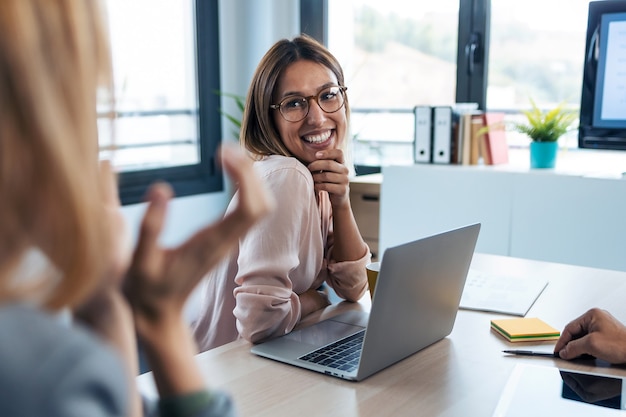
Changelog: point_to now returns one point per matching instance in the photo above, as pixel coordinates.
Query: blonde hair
(259, 134)
(53, 56)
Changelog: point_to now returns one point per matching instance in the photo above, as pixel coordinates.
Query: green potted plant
(544, 128)
(234, 119)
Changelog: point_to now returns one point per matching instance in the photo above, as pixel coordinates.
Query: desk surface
(462, 375)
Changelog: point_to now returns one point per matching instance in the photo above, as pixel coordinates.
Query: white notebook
(500, 293)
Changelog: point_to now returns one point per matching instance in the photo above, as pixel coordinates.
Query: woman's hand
(311, 301)
(160, 280)
(106, 311)
(330, 174)
(595, 333)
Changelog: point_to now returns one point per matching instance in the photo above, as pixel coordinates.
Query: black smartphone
(602, 390)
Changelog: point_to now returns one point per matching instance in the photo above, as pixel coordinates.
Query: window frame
(314, 19)
(205, 176)
(474, 21)
(472, 63)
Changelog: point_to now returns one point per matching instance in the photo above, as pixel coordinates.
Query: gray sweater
(48, 369)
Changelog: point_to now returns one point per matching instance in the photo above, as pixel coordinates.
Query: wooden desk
(462, 375)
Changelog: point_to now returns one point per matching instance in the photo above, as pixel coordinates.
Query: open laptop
(415, 304)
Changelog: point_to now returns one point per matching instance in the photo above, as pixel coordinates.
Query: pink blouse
(253, 292)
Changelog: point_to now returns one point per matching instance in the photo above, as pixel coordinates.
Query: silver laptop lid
(417, 296)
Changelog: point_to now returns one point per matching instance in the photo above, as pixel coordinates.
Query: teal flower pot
(543, 154)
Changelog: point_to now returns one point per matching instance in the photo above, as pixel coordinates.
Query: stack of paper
(525, 329)
(500, 293)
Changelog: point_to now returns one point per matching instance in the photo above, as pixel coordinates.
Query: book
(501, 293)
(462, 139)
(525, 329)
(495, 147)
(462, 114)
(476, 125)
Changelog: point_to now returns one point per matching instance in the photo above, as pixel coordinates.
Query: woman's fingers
(148, 256)
(120, 250)
(254, 199)
(162, 278)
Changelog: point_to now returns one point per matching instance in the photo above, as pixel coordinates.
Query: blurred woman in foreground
(59, 204)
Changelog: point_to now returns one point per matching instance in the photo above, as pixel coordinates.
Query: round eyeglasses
(296, 108)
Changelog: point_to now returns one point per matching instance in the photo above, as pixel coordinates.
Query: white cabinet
(535, 214)
(365, 201)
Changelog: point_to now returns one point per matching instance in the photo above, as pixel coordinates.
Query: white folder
(442, 134)
(423, 134)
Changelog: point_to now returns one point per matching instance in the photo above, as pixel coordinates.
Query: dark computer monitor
(603, 99)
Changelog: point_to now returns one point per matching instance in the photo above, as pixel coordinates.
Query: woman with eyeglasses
(295, 125)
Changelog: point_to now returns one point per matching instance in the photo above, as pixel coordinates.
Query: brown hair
(53, 56)
(259, 134)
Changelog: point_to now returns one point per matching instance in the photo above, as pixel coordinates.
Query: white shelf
(583, 162)
(566, 215)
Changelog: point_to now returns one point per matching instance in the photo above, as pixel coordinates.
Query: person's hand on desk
(595, 333)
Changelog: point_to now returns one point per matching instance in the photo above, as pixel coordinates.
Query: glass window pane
(153, 48)
(536, 51)
(396, 55)
(382, 136)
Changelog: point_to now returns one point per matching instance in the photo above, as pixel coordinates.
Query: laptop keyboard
(343, 354)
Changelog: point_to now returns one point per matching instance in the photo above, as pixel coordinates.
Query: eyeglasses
(296, 108)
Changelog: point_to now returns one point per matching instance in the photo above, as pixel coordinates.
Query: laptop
(415, 304)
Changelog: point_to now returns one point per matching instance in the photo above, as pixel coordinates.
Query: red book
(495, 147)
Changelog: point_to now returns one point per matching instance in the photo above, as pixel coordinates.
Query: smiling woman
(166, 68)
(295, 126)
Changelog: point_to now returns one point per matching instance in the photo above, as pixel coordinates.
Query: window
(395, 55)
(166, 73)
(499, 54)
(536, 52)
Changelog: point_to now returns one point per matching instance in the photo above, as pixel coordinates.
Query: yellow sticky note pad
(525, 329)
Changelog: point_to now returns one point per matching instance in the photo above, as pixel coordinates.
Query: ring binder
(423, 134)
